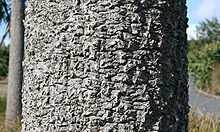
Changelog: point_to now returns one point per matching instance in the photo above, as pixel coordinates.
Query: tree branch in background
(4, 3)
(7, 18)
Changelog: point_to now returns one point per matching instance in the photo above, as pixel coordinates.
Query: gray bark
(105, 66)
(15, 76)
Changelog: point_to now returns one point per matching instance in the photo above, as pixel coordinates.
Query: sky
(198, 10)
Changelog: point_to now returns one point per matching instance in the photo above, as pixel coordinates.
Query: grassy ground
(3, 87)
(203, 124)
(16, 128)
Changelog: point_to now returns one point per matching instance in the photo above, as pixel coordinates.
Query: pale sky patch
(191, 31)
(208, 9)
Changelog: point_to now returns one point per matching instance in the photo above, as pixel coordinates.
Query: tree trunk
(15, 76)
(105, 66)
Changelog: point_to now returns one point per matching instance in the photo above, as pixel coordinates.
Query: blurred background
(203, 55)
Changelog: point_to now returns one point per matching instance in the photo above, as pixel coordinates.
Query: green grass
(2, 112)
(16, 128)
(203, 124)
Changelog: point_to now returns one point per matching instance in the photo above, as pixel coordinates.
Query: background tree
(209, 31)
(105, 66)
(15, 77)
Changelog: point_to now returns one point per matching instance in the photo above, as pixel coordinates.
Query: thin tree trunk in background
(105, 66)
(15, 76)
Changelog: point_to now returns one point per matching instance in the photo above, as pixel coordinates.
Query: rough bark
(15, 76)
(105, 66)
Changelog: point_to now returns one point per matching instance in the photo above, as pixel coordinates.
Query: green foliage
(4, 58)
(201, 59)
(3, 11)
(205, 51)
(209, 31)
